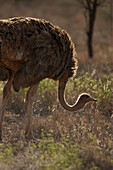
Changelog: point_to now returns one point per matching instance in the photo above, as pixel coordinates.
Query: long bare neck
(77, 106)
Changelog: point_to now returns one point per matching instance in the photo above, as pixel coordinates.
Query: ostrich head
(81, 101)
(85, 98)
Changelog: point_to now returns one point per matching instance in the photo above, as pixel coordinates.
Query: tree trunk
(89, 43)
(90, 7)
(91, 18)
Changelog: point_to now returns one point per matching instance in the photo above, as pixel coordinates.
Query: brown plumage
(35, 49)
(31, 50)
(4, 73)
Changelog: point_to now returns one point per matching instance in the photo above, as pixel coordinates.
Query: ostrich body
(31, 50)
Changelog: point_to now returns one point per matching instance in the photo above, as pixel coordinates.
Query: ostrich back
(35, 49)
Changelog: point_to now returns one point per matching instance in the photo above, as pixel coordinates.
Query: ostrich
(31, 50)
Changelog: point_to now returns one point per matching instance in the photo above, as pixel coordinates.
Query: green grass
(100, 88)
(64, 140)
(60, 155)
(46, 153)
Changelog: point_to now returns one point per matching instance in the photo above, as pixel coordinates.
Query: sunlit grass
(65, 141)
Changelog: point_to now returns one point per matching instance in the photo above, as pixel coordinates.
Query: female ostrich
(30, 51)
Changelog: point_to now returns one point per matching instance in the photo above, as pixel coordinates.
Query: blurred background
(69, 15)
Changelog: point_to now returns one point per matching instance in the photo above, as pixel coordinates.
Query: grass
(47, 153)
(79, 140)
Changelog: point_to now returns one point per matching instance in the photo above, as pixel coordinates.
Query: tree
(90, 7)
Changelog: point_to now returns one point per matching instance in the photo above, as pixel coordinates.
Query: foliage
(62, 154)
(7, 152)
(46, 153)
(65, 141)
(101, 88)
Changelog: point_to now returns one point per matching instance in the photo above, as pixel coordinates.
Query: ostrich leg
(6, 95)
(29, 98)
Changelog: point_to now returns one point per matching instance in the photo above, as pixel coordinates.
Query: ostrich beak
(93, 99)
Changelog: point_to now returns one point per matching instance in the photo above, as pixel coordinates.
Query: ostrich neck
(64, 104)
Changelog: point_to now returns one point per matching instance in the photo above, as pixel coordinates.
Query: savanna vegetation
(80, 140)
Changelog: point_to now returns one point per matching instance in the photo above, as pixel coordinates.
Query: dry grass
(89, 130)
